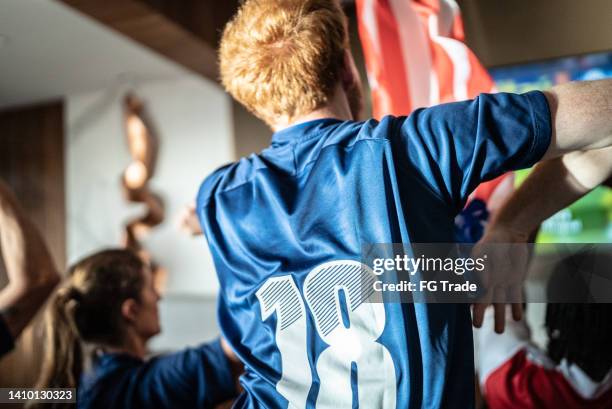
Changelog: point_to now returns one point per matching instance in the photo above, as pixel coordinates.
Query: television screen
(589, 220)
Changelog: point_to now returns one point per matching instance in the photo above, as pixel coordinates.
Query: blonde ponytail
(63, 356)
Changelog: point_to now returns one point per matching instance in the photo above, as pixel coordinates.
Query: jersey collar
(295, 133)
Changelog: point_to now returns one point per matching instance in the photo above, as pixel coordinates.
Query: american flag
(416, 57)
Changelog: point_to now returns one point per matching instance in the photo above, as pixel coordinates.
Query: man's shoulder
(347, 134)
(228, 177)
(241, 172)
(330, 132)
(382, 129)
(213, 182)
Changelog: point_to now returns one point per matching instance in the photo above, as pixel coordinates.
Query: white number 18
(354, 342)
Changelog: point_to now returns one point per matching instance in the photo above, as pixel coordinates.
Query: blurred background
(67, 66)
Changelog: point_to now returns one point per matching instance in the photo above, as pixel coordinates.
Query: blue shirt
(192, 378)
(6, 338)
(286, 229)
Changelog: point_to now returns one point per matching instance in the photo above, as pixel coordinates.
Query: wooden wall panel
(204, 18)
(32, 163)
(151, 28)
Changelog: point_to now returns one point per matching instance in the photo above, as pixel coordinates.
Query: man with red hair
(286, 227)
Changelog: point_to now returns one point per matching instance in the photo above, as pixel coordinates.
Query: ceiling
(48, 50)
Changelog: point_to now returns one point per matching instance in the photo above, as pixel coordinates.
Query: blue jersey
(286, 229)
(192, 378)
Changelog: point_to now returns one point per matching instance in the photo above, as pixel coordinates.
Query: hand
(507, 254)
(188, 220)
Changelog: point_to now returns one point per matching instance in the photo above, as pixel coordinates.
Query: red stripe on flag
(455, 73)
(386, 66)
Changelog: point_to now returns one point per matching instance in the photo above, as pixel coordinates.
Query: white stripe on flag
(458, 54)
(414, 51)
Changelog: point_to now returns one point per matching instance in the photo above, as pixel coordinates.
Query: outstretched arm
(581, 114)
(31, 273)
(552, 186)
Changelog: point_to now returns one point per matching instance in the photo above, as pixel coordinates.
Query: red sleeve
(523, 383)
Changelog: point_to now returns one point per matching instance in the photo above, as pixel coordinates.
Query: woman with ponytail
(98, 324)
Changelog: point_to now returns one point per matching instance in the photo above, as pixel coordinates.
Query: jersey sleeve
(456, 146)
(494, 349)
(195, 377)
(7, 342)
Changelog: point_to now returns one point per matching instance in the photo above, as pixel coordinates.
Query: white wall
(193, 120)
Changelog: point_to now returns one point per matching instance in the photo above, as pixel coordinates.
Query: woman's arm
(200, 377)
(29, 266)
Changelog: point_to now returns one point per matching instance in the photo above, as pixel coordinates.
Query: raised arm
(31, 273)
(581, 116)
(552, 186)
